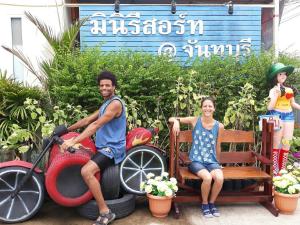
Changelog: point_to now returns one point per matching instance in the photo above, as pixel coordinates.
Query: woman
(203, 153)
(281, 103)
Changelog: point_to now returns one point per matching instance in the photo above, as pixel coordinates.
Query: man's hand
(67, 143)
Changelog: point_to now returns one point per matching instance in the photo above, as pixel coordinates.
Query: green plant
(226, 76)
(12, 109)
(188, 95)
(295, 144)
(160, 185)
(19, 140)
(242, 112)
(42, 125)
(288, 181)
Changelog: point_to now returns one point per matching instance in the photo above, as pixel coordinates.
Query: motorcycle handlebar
(60, 141)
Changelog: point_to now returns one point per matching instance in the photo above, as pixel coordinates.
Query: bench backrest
(226, 136)
(235, 137)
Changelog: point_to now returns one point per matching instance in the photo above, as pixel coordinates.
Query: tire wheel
(27, 202)
(138, 162)
(121, 207)
(64, 182)
(110, 182)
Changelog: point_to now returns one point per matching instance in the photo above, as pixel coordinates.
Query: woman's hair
(275, 81)
(207, 98)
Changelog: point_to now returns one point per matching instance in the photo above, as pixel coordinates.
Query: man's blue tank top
(111, 137)
(204, 143)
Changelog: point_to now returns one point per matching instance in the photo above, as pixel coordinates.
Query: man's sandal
(105, 218)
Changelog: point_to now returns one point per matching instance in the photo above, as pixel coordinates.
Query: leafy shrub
(12, 110)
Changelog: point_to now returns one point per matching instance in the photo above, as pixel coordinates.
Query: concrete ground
(239, 214)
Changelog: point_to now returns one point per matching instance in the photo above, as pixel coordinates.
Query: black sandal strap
(105, 218)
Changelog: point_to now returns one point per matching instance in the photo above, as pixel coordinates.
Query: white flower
(289, 167)
(162, 187)
(173, 180)
(165, 174)
(150, 175)
(283, 184)
(150, 181)
(148, 189)
(289, 177)
(277, 178)
(291, 190)
(297, 187)
(288, 181)
(158, 178)
(283, 171)
(155, 183)
(142, 185)
(175, 188)
(169, 192)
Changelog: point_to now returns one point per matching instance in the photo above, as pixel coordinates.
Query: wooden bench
(238, 165)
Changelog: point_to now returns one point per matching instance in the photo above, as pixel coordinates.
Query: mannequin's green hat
(278, 68)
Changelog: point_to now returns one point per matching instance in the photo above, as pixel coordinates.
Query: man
(109, 124)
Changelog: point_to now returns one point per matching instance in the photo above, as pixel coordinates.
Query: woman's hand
(176, 127)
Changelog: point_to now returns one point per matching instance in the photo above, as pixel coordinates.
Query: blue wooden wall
(240, 31)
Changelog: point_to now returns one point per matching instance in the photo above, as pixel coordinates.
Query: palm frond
(3, 74)
(28, 64)
(45, 66)
(47, 31)
(68, 37)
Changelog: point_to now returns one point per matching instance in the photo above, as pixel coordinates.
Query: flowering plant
(159, 185)
(288, 181)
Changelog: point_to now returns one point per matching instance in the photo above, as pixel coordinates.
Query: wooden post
(171, 159)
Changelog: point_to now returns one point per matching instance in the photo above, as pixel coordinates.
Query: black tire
(138, 162)
(110, 182)
(27, 202)
(121, 207)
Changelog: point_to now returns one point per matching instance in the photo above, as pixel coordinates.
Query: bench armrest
(262, 159)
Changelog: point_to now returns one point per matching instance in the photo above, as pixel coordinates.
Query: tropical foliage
(153, 87)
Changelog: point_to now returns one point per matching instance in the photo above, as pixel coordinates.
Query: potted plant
(287, 189)
(160, 191)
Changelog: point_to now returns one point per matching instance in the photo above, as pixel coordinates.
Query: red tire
(64, 182)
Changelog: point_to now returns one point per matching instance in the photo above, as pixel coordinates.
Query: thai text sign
(193, 31)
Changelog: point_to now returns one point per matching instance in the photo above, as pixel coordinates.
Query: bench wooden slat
(237, 157)
(225, 136)
(226, 157)
(185, 136)
(184, 157)
(231, 173)
(235, 136)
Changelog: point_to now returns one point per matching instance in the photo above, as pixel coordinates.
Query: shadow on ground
(240, 214)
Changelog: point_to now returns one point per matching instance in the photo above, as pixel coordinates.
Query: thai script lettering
(193, 48)
(132, 24)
